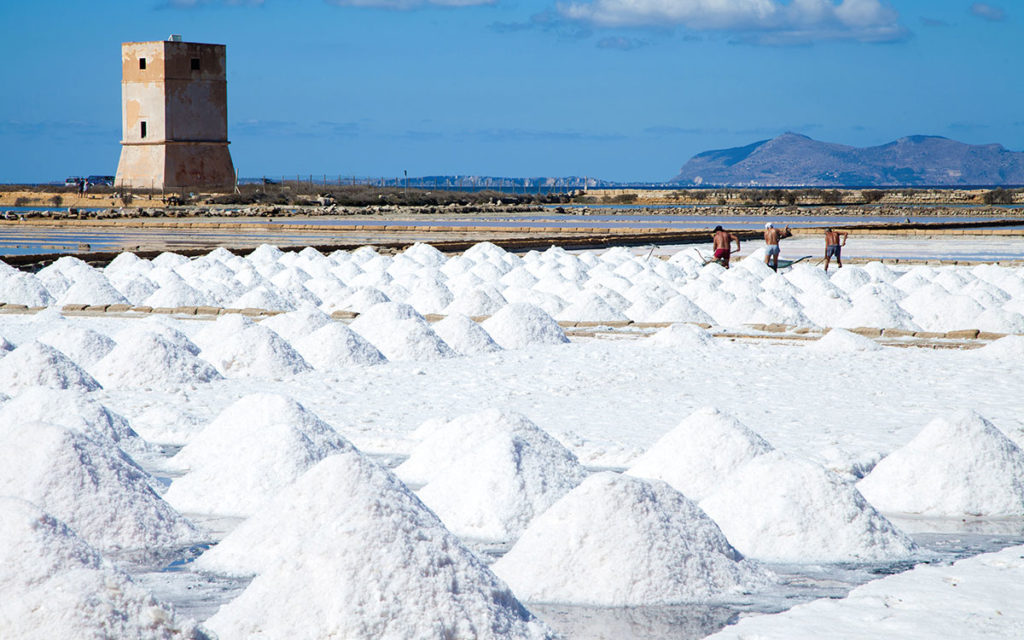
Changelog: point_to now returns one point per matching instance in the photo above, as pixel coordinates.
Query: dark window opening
(142, 130)
(142, 63)
(195, 64)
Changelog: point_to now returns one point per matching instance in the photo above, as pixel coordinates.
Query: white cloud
(988, 12)
(768, 20)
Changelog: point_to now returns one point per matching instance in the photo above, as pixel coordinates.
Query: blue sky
(617, 89)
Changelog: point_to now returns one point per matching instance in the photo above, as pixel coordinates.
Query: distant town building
(174, 115)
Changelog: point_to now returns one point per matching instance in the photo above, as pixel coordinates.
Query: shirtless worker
(723, 241)
(833, 246)
(771, 240)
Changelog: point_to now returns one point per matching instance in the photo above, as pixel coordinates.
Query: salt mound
(495, 490)
(221, 329)
(430, 296)
(475, 302)
(621, 541)
(680, 309)
(176, 294)
(685, 336)
(463, 335)
(443, 443)
(520, 324)
(590, 306)
(151, 361)
(297, 324)
(56, 586)
(255, 351)
(785, 509)
(264, 296)
(168, 423)
(76, 411)
(94, 290)
(843, 341)
(93, 487)
(335, 346)
(349, 552)
(24, 288)
(151, 326)
(960, 465)
(1010, 348)
(364, 298)
(35, 364)
(873, 312)
(84, 346)
(400, 333)
(694, 456)
(253, 449)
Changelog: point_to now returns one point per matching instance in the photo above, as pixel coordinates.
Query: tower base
(175, 165)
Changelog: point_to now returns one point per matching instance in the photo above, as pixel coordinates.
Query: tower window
(142, 129)
(142, 63)
(195, 64)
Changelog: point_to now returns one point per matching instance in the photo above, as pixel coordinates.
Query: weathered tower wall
(174, 116)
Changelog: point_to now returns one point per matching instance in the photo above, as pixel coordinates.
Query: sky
(624, 90)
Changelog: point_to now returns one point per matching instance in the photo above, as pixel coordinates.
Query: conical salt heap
(57, 586)
(253, 449)
(958, 465)
(621, 541)
(348, 551)
(785, 509)
(91, 486)
(34, 364)
(695, 456)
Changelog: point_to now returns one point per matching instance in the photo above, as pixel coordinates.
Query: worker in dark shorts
(833, 246)
(723, 241)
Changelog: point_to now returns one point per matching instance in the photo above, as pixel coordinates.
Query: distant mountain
(792, 160)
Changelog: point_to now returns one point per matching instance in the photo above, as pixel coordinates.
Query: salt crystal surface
(57, 586)
(621, 541)
(680, 309)
(520, 324)
(591, 306)
(349, 552)
(465, 336)
(96, 290)
(475, 302)
(84, 346)
(36, 364)
(493, 491)
(254, 351)
(263, 297)
(176, 294)
(91, 486)
(24, 288)
(429, 296)
(872, 312)
(842, 341)
(1009, 348)
(253, 449)
(781, 508)
(364, 298)
(703, 449)
(400, 333)
(442, 443)
(297, 324)
(682, 336)
(154, 325)
(958, 465)
(76, 411)
(334, 346)
(149, 360)
(170, 423)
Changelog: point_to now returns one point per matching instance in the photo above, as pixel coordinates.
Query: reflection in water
(683, 622)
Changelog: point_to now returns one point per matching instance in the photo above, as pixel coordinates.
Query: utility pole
(405, 172)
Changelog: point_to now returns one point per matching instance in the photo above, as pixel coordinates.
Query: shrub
(872, 195)
(998, 196)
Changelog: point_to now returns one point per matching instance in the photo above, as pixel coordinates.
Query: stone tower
(174, 120)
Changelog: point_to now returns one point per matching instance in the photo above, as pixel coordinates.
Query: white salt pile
(253, 351)
(349, 552)
(334, 346)
(168, 422)
(17, 287)
(842, 341)
(255, 447)
(442, 443)
(76, 411)
(159, 327)
(297, 324)
(463, 335)
(91, 486)
(84, 346)
(400, 333)
(35, 364)
(590, 306)
(682, 336)
(56, 586)
(680, 309)
(621, 541)
(521, 324)
(958, 465)
(785, 509)
(148, 360)
(493, 491)
(695, 456)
